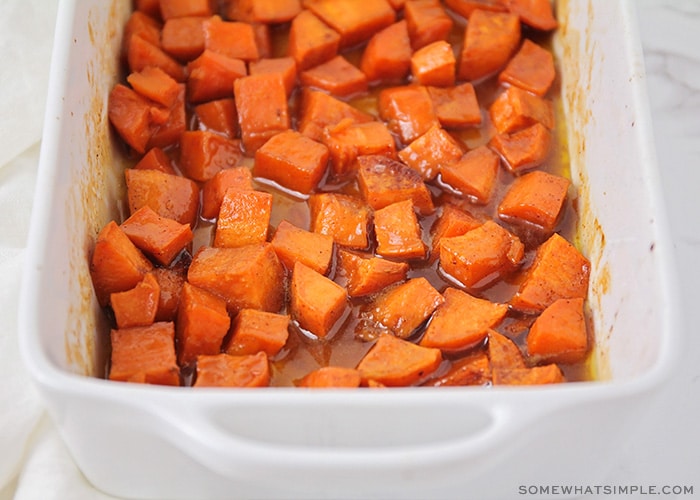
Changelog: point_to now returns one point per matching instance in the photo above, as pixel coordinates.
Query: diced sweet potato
(116, 264)
(203, 154)
(337, 76)
(294, 244)
(144, 25)
(434, 64)
(398, 232)
(143, 53)
(181, 8)
(473, 369)
(366, 275)
(202, 323)
(384, 181)
(353, 21)
(286, 67)
(345, 218)
(427, 22)
(230, 38)
(456, 107)
(535, 13)
(431, 152)
(348, 140)
(170, 282)
(254, 331)
(183, 37)
(246, 277)
(465, 7)
(311, 41)
(559, 271)
(210, 75)
(474, 174)
(148, 7)
(395, 362)
(219, 115)
(316, 302)
(224, 370)
(262, 11)
(387, 56)
(537, 375)
(158, 237)
(130, 115)
(244, 218)
(170, 196)
(490, 40)
(531, 69)
(155, 84)
(503, 353)
(144, 354)
(215, 188)
(319, 110)
(408, 111)
(156, 159)
(480, 256)
(462, 321)
(138, 306)
(332, 376)
(263, 39)
(559, 333)
(171, 124)
(292, 160)
(515, 109)
(451, 222)
(525, 149)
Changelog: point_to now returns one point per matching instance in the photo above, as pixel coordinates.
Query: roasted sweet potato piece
(158, 237)
(224, 370)
(316, 302)
(155, 84)
(434, 64)
(462, 321)
(142, 53)
(170, 281)
(531, 69)
(515, 109)
(144, 354)
(452, 222)
(180, 8)
(254, 331)
(427, 22)
(171, 124)
(456, 107)
(155, 159)
(332, 376)
(294, 244)
(408, 111)
(218, 116)
(503, 353)
(203, 154)
(431, 152)
(559, 333)
(387, 56)
(170, 196)
(480, 256)
(559, 271)
(354, 22)
(537, 375)
(246, 277)
(490, 40)
(116, 264)
(311, 41)
(286, 67)
(244, 218)
(474, 174)
(473, 369)
(348, 140)
(465, 7)
(148, 7)
(230, 38)
(525, 149)
(292, 160)
(397, 232)
(130, 114)
(395, 362)
(141, 24)
(215, 188)
(345, 218)
(535, 13)
(209, 76)
(366, 275)
(262, 11)
(138, 306)
(337, 76)
(183, 37)
(319, 110)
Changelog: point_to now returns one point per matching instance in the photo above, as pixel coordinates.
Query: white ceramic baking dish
(160, 442)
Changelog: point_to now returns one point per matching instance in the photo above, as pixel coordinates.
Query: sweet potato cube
(261, 101)
(209, 76)
(155, 84)
(537, 375)
(349, 140)
(503, 352)
(480, 256)
(465, 7)
(462, 321)
(434, 64)
(246, 277)
(431, 152)
(428, 22)
(149, 7)
(144, 354)
(527, 148)
(167, 130)
(138, 306)
(286, 67)
(183, 37)
(387, 56)
(559, 271)
(473, 369)
(316, 302)
(254, 331)
(531, 69)
(366, 275)
(474, 174)
(398, 232)
(395, 362)
(130, 114)
(319, 110)
(403, 308)
(408, 111)
(354, 22)
(515, 109)
(180, 8)
(215, 188)
(490, 40)
(230, 38)
(158, 237)
(292, 160)
(244, 218)
(384, 181)
(202, 323)
(156, 159)
(536, 198)
(143, 53)
(294, 244)
(170, 196)
(452, 221)
(170, 281)
(311, 41)
(345, 218)
(203, 154)
(116, 264)
(144, 25)
(456, 107)
(559, 333)
(224, 370)
(337, 76)
(332, 376)
(535, 13)
(263, 11)
(219, 115)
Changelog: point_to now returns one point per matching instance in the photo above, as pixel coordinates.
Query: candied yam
(456, 107)
(263, 39)
(503, 352)
(294, 244)
(219, 116)
(286, 67)
(366, 275)
(559, 333)
(434, 64)
(535, 13)
(316, 302)
(170, 196)
(246, 277)
(474, 174)
(480, 256)
(116, 264)
(452, 222)
(332, 376)
(431, 152)
(138, 306)
(397, 232)
(387, 56)
(384, 181)
(428, 22)
(167, 131)
(465, 7)
(203, 154)
(143, 25)
(473, 369)
(525, 149)
(355, 22)
(536, 198)
(170, 282)
(337, 76)
(531, 69)
(143, 53)
(224, 370)
(155, 159)
(559, 271)
(144, 354)
(262, 11)
(183, 37)
(344, 217)
(210, 76)
(515, 109)
(155, 84)
(319, 110)
(253, 331)
(292, 160)
(395, 362)
(158, 237)
(148, 7)
(311, 41)
(130, 115)
(490, 40)
(244, 218)
(408, 111)
(349, 140)
(215, 188)
(230, 38)
(537, 375)
(181, 8)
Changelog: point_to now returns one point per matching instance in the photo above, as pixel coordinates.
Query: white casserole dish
(163, 442)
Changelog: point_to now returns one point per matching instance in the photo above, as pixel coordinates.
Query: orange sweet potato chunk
(138, 306)
(355, 22)
(456, 107)
(452, 221)
(155, 159)
(204, 153)
(170, 9)
(332, 376)
(231, 38)
(408, 111)
(311, 41)
(215, 188)
(473, 369)
(465, 7)
(537, 375)
(262, 11)
(427, 22)
(142, 24)
(142, 53)
(155, 84)
(345, 218)
(348, 140)
(398, 233)
(224, 370)
(254, 331)
(170, 196)
(316, 302)
(474, 174)
(395, 362)
(525, 149)
(387, 57)
(434, 64)
(209, 76)
(337, 76)
(183, 37)
(503, 352)
(366, 274)
(244, 218)
(319, 110)
(286, 67)
(535, 13)
(294, 244)
(218, 115)
(431, 152)
(559, 333)
(531, 69)
(158, 237)
(170, 281)
(130, 115)
(515, 109)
